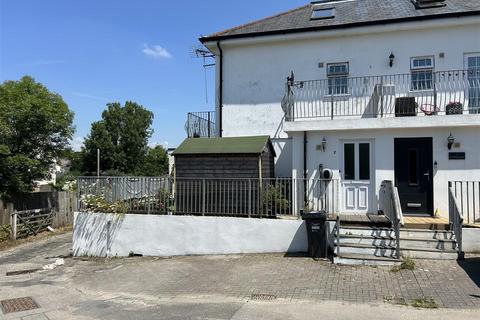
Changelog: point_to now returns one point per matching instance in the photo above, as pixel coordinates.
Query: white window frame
(416, 85)
(333, 77)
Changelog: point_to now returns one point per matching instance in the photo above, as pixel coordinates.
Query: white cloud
(156, 52)
(90, 96)
(164, 144)
(77, 143)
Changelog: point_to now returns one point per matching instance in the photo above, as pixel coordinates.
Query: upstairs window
(337, 75)
(325, 13)
(422, 73)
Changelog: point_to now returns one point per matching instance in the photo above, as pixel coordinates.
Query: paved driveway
(231, 287)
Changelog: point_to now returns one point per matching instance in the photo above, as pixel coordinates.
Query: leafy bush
(98, 204)
(274, 200)
(4, 232)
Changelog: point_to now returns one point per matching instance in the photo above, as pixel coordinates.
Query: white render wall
(383, 140)
(255, 70)
(101, 235)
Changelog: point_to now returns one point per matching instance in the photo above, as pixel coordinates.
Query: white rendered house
(374, 90)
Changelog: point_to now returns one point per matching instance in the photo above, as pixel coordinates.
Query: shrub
(98, 204)
(274, 200)
(4, 232)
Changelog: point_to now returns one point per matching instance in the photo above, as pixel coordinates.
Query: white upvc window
(422, 73)
(337, 75)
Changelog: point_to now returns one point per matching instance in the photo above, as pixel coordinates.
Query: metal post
(381, 97)
(13, 224)
(249, 198)
(98, 162)
(203, 197)
(434, 92)
(208, 117)
(332, 105)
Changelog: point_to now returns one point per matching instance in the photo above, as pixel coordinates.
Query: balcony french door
(472, 65)
(357, 176)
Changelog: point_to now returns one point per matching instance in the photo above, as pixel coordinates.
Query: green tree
(35, 128)
(122, 137)
(155, 163)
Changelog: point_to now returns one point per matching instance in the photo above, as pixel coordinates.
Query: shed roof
(347, 14)
(230, 145)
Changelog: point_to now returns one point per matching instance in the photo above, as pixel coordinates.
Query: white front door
(357, 176)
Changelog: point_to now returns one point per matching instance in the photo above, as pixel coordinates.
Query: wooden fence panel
(57, 209)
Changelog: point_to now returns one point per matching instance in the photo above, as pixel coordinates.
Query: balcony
(402, 95)
(201, 124)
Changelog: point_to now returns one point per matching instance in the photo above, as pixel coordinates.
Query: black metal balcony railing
(201, 124)
(429, 94)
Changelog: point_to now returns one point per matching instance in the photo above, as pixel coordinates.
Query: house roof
(349, 13)
(231, 145)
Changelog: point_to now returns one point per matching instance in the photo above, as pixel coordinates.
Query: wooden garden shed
(223, 176)
(224, 158)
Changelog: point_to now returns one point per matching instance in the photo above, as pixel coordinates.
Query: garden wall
(101, 235)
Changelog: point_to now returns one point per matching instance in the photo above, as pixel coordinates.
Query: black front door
(414, 175)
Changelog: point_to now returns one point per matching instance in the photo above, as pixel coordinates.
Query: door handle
(427, 174)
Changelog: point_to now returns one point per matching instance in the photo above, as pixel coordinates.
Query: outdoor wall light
(324, 144)
(435, 165)
(451, 141)
(392, 59)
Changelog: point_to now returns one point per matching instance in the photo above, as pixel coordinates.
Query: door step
(367, 260)
(377, 245)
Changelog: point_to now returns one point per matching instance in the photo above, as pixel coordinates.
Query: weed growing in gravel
(407, 264)
(424, 303)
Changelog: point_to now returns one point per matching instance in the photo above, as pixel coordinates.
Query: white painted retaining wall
(107, 235)
(471, 240)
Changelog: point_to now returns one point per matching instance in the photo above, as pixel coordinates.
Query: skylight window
(324, 13)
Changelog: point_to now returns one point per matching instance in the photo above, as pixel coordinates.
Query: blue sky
(97, 51)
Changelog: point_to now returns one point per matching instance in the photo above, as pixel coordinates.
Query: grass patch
(407, 264)
(424, 303)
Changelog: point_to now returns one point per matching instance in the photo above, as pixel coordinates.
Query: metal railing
(456, 219)
(439, 93)
(467, 194)
(201, 124)
(210, 197)
(393, 211)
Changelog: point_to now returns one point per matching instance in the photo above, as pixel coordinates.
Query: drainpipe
(305, 142)
(220, 90)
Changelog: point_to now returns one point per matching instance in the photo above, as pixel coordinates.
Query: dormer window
(425, 4)
(323, 13)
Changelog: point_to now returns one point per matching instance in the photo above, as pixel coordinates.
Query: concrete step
(361, 239)
(428, 253)
(366, 231)
(367, 250)
(360, 259)
(390, 241)
(426, 234)
(428, 244)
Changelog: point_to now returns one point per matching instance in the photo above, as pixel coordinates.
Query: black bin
(317, 233)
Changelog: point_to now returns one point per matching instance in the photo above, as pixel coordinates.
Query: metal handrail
(393, 211)
(456, 220)
(449, 92)
(201, 124)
